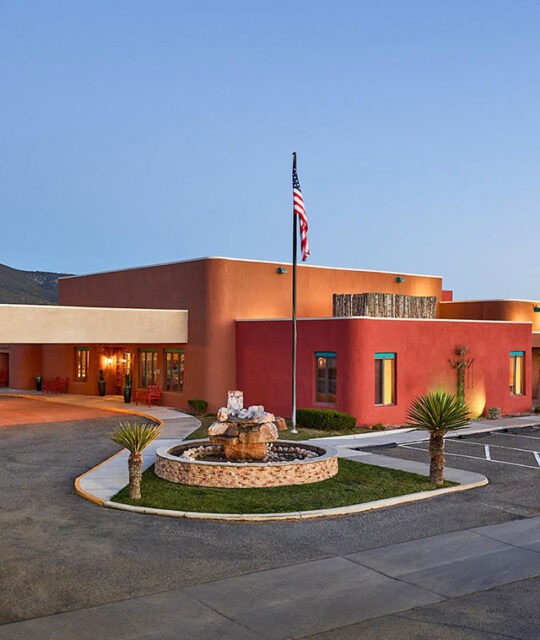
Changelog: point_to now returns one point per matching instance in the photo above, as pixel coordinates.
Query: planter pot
(101, 387)
(127, 394)
(39, 381)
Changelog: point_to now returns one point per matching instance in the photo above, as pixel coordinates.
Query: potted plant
(39, 382)
(102, 385)
(127, 388)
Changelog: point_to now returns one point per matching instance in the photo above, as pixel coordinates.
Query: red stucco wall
(423, 349)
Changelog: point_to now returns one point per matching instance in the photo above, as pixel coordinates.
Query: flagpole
(295, 243)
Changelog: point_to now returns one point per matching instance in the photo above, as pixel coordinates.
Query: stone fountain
(243, 451)
(244, 434)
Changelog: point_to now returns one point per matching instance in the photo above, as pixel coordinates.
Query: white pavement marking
(515, 435)
(488, 454)
(537, 456)
(462, 455)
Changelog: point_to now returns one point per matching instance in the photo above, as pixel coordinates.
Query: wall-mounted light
(282, 269)
(109, 361)
(400, 279)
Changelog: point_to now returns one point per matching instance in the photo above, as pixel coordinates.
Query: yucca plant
(437, 412)
(135, 437)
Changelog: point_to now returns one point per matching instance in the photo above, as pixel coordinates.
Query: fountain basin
(171, 465)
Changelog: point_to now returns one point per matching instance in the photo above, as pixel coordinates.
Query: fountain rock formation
(244, 433)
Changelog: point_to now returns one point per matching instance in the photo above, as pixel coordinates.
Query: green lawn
(303, 434)
(355, 483)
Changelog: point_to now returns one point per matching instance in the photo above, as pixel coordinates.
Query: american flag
(301, 212)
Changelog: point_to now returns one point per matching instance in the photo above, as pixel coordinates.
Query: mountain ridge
(18, 286)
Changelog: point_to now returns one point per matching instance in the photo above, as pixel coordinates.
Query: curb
(300, 515)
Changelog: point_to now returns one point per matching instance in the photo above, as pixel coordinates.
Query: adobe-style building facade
(216, 323)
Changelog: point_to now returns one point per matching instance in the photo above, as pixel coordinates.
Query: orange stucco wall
(511, 310)
(58, 360)
(218, 291)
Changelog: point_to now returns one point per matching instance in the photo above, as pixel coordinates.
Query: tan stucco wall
(42, 324)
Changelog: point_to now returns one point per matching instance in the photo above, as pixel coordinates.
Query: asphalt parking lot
(62, 553)
(518, 448)
(510, 459)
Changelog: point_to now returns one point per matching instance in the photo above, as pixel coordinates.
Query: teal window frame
(147, 378)
(517, 358)
(380, 379)
(326, 377)
(170, 373)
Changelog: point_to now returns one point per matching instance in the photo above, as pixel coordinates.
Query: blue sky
(146, 132)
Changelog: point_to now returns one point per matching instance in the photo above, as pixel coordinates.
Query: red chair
(50, 385)
(62, 385)
(3, 378)
(152, 392)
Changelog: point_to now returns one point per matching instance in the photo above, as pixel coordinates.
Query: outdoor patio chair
(149, 394)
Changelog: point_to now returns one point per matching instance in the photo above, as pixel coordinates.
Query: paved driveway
(60, 552)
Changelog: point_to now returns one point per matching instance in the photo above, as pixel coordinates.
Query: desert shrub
(378, 427)
(325, 419)
(537, 409)
(199, 406)
(494, 413)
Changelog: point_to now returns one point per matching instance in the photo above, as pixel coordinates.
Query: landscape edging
(301, 515)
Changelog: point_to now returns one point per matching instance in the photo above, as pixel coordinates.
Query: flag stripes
(300, 211)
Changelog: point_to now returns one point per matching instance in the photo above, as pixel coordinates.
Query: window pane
(512, 374)
(378, 381)
(326, 379)
(388, 384)
(519, 375)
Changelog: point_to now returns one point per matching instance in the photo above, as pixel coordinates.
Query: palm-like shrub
(437, 412)
(135, 437)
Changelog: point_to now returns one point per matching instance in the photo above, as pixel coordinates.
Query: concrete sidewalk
(311, 597)
(404, 436)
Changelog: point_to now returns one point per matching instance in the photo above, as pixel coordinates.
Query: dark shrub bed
(325, 419)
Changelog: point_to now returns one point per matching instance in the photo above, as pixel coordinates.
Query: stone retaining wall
(245, 475)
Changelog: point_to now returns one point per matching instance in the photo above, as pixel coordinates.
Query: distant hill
(28, 287)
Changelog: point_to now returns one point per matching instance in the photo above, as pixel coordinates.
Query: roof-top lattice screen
(384, 305)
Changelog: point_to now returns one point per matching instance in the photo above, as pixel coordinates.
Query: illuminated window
(517, 359)
(385, 378)
(148, 366)
(82, 358)
(174, 369)
(326, 377)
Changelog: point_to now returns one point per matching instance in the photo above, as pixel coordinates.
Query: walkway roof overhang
(48, 324)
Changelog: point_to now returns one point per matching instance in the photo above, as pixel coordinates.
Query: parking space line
(537, 456)
(490, 446)
(486, 449)
(462, 455)
(515, 435)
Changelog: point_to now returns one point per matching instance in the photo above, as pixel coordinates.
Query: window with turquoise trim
(385, 378)
(148, 366)
(326, 377)
(517, 360)
(174, 369)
